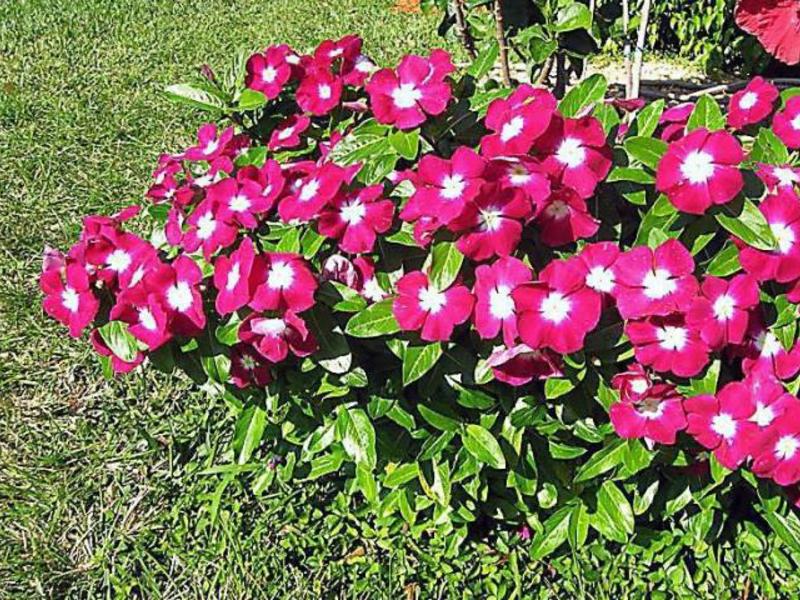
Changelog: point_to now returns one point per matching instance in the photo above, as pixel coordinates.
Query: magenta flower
(521, 364)
(145, 314)
(319, 92)
(673, 121)
(312, 193)
(270, 180)
(232, 278)
(700, 170)
(782, 213)
(275, 337)
(776, 177)
(668, 344)
(655, 282)
(248, 367)
(777, 454)
(771, 400)
(752, 104)
(517, 121)
(119, 259)
(565, 218)
(765, 356)
(633, 385)
(723, 423)
(721, 312)
(494, 304)
(176, 286)
(786, 123)
(522, 173)
(356, 218)
(443, 187)
(209, 144)
(69, 298)
(239, 201)
(417, 88)
(657, 417)
(269, 72)
(208, 229)
(420, 306)
(557, 311)
(285, 283)
(576, 153)
(598, 261)
(287, 133)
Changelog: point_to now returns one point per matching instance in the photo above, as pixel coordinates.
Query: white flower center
(698, 166)
(70, 299)
(768, 344)
(785, 176)
(724, 307)
(748, 100)
(786, 447)
(639, 385)
(248, 362)
(147, 320)
(372, 290)
(571, 153)
(363, 64)
(555, 307)
(723, 424)
(406, 95)
(309, 190)
(206, 225)
(491, 219)
(353, 212)
(324, 91)
(281, 275)
(501, 304)
(763, 416)
(783, 235)
(431, 300)
(518, 175)
(671, 337)
(512, 129)
(269, 327)
(239, 203)
(211, 147)
(269, 74)
(119, 260)
(600, 279)
(179, 296)
(285, 133)
(658, 284)
(557, 210)
(452, 187)
(233, 277)
(796, 122)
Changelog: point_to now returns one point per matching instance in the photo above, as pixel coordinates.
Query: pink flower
(286, 283)
(248, 367)
(418, 88)
(771, 401)
(577, 155)
(786, 123)
(145, 314)
(721, 312)
(517, 121)
(176, 286)
(208, 229)
(674, 121)
(269, 180)
(521, 364)
(238, 201)
(722, 423)
(367, 283)
(778, 176)
(559, 310)
(658, 416)
(420, 306)
(275, 337)
(778, 453)
(633, 385)
(776, 25)
(494, 306)
(319, 92)
(599, 261)
(232, 278)
(700, 170)
(443, 187)
(782, 213)
(117, 364)
(520, 173)
(69, 298)
(356, 218)
(752, 104)
(287, 133)
(120, 258)
(766, 356)
(565, 218)
(655, 282)
(668, 344)
(311, 193)
(269, 72)
(209, 145)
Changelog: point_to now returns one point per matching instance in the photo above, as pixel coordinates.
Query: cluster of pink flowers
(525, 186)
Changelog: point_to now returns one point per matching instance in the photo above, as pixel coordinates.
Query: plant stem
(544, 74)
(626, 50)
(640, 40)
(500, 35)
(463, 29)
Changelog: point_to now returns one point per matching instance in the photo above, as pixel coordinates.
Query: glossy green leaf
(483, 446)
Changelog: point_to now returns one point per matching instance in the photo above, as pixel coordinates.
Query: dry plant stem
(626, 50)
(501, 42)
(463, 29)
(544, 74)
(640, 40)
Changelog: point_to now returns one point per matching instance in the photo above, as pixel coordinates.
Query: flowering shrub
(466, 299)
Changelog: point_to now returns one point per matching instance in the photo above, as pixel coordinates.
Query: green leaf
(768, 148)
(646, 150)
(587, 93)
(196, 96)
(119, 340)
(446, 261)
(787, 527)
(483, 446)
(578, 526)
(405, 143)
(326, 464)
(249, 431)
(418, 360)
(564, 451)
(647, 119)
(574, 16)
(554, 534)
(251, 99)
(614, 516)
(749, 225)
(726, 262)
(366, 483)
(706, 114)
(630, 174)
(602, 461)
(555, 387)
(334, 351)
(484, 62)
(471, 398)
(376, 320)
(401, 474)
(437, 419)
(359, 438)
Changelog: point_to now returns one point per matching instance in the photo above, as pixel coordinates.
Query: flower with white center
(70, 299)
(452, 187)
(353, 212)
(698, 166)
(211, 147)
(363, 64)
(786, 447)
(285, 133)
(657, 284)
(118, 260)
(239, 203)
(784, 235)
(431, 300)
(571, 152)
(324, 91)
(763, 415)
(555, 307)
(179, 296)
(248, 362)
(518, 175)
(651, 408)
(796, 122)
(785, 176)
(372, 290)
(147, 320)
(671, 337)
(768, 344)
(490, 219)
(309, 190)
(269, 74)
(601, 279)
(501, 304)
(233, 277)
(639, 385)
(724, 307)
(512, 129)
(748, 100)
(269, 327)
(557, 209)
(724, 425)
(406, 95)
(206, 225)
(281, 275)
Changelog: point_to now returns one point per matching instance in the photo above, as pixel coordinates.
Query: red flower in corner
(776, 24)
